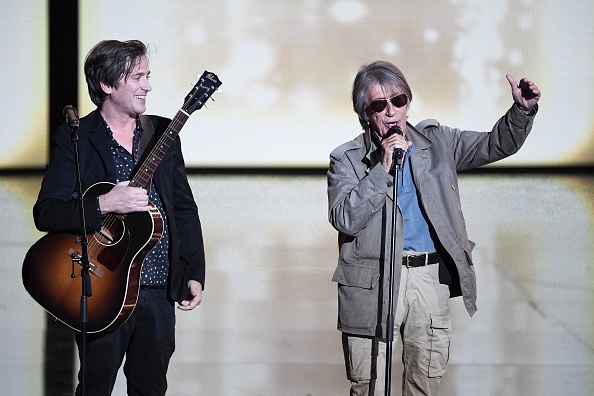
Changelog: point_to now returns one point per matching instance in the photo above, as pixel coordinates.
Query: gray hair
(379, 72)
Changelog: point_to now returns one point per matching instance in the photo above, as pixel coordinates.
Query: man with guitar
(171, 254)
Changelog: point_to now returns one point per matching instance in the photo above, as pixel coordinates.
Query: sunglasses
(379, 105)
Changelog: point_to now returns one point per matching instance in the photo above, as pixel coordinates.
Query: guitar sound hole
(111, 234)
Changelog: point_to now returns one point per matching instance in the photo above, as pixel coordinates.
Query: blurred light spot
(250, 62)
(348, 11)
(390, 47)
(196, 34)
(431, 36)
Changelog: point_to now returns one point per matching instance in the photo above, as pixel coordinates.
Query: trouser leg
(358, 359)
(147, 341)
(151, 346)
(103, 357)
(358, 355)
(425, 332)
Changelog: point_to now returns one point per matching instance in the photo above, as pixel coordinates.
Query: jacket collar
(98, 138)
(93, 122)
(419, 139)
(370, 146)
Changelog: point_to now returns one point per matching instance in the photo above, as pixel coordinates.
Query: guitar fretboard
(143, 177)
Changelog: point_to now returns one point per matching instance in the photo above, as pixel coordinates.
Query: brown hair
(108, 62)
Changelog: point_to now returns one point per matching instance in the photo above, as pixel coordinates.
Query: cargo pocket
(439, 353)
(357, 297)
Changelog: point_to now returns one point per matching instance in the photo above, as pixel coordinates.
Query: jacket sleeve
(473, 149)
(189, 228)
(58, 205)
(353, 201)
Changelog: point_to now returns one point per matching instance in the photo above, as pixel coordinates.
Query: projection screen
(287, 69)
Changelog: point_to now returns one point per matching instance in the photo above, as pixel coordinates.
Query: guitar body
(116, 253)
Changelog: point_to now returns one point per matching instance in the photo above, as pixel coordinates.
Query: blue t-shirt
(416, 230)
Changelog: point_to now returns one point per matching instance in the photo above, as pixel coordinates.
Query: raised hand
(525, 93)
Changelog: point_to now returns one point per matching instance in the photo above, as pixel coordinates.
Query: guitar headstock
(207, 84)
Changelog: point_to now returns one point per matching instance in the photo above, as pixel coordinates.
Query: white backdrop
(287, 70)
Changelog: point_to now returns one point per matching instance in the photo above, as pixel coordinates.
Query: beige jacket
(360, 198)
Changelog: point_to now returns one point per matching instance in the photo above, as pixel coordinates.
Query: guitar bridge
(94, 268)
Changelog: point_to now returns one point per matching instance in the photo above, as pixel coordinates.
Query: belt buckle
(414, 256)
(407, 261)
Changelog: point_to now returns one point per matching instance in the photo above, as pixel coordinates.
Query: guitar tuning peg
(213, 99)
(205, 105)
(219, 90)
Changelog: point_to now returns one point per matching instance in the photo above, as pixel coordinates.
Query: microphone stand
(83, 260)
(390, 318)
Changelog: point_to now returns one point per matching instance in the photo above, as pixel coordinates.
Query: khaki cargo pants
(422, 322)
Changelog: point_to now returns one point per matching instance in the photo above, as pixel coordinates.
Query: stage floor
(267, 324)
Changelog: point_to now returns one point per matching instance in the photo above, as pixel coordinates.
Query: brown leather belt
(420, 260)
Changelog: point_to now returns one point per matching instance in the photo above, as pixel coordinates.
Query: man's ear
(106, 88)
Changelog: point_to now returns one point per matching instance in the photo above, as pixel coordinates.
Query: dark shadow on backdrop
(63, 90)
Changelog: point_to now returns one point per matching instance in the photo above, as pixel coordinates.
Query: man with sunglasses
(432, 249)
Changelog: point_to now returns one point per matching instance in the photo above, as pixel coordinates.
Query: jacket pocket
(357, 298)
(351, 275)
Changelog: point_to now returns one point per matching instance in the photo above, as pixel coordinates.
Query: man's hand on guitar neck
(194, 298)
(124, 199)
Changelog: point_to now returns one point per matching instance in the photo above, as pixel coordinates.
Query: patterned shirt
(155, 266)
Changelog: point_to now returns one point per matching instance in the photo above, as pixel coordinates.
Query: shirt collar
(137, 131)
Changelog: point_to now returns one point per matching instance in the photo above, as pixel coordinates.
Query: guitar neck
(202, 91)
(145, 172)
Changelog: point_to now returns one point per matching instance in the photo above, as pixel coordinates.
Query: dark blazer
(57, 206)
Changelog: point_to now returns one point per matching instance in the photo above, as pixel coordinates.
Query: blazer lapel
(98, 139)
(419, 158)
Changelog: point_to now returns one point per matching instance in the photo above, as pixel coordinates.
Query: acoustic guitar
(115, 252)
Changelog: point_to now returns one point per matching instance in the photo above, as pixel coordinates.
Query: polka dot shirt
(155, 266)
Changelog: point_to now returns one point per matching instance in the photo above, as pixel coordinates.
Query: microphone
(398, 152)
(395, 129)
(71, 116)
